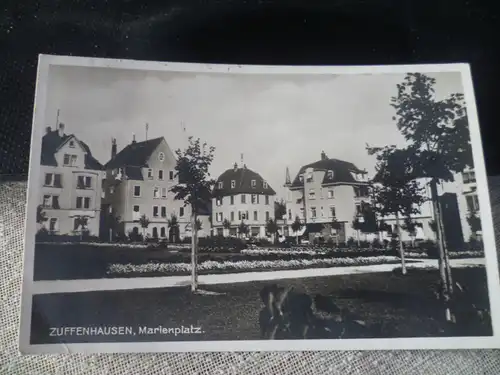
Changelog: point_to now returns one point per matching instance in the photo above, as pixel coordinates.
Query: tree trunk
(445, 288)
(401, 249)
(194, 254)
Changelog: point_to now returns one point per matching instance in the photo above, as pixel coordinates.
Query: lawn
(403, 305)
(83, 261)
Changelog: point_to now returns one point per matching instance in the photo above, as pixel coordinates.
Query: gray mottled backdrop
(12, 204)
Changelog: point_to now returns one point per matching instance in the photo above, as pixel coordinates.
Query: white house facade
(138, 182)
(242, 195)
(71, 184)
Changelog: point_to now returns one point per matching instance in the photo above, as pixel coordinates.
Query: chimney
(323, 156)
(133, 138)
(113, 147)
(235, 166)
(288, 181)
(61, 130)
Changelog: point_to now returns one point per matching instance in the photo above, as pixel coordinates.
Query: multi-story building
(71, 184)
(325, 190)
(242, 195)
(138, 182)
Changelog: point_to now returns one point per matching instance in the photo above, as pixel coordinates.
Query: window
(472, 203)
(265, 185)
(55, 202)
(289, 214)
(322, 212)
(80, 182)
(136, 208)
(240, 215)
(163, 192)
(160, 174)
(150, 174)
(243, 198)
(79, 202)
(233, 184)
(72, 144)
(111, 190)
(88, 181)
(254, 183)
(53, 224)
(302, 212)
(69, 160)
(155, 211)
(313, 212)
(57, 180)
(52, 179)
(232, 199)
(232, 216)
(330, 175)
(312, 194)
(156, 192)
(218, 201)
(310, 177)
(255, 216)
(267, 199)
(137, 191)
(361, 191)
(86, 202)
(267, 215)
(161, 156)
(330, 194)
(163, 211)
(50, 201)
(155, 232)
(332, 211)
(469, 177)
(181, 212)
(254, 198)
(301, 178)
(220, 184)
(163, 232)
(171, 175)
(76, 223)
(218, 217)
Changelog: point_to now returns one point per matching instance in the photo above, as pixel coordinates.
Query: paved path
(61, 286)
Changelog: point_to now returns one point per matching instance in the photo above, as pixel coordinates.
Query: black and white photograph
(189, 207)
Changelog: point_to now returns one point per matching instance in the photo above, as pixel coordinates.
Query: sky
(274, 121)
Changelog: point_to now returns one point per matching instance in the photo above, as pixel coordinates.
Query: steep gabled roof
(136, 154)
(52, 141)
(243, 183)
(341, 171)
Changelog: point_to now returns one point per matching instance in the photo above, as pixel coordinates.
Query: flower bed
(162, 268)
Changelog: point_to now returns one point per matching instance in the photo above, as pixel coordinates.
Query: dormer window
(71, 143)
(220, 185)
(233, 184)
(301, 178)
(265, 185)
(309, 177)
(330, 175)
(254, 183)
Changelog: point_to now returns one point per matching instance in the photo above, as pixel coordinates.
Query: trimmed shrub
(430, 248)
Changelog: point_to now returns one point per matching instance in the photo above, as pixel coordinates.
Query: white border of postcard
(29, 286)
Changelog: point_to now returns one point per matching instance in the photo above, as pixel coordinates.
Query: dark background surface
(333, 32)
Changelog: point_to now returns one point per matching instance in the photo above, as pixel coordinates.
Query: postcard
(187, 207)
